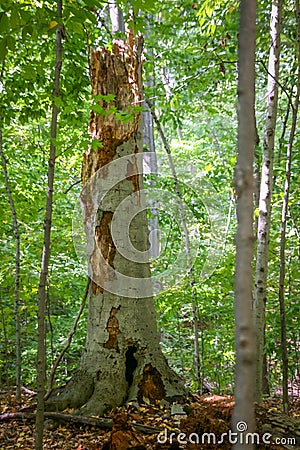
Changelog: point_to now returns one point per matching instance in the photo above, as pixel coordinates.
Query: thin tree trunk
(150, 158)
(15, 226)
(244, 417)
(4, 372)
(148, 125)
(42, 289)
(284, 355)
(187, 243)
(266, 187)
(116, 17)
(68, 341)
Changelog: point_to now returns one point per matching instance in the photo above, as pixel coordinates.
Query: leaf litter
(196, 416)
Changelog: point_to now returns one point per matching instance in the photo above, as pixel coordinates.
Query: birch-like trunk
(122, 360)
(244, 186)
(284, 212)
(266, 184)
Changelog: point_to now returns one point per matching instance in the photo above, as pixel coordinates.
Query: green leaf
(75, 26)
(10, 42)
(29, 74)
(3, 48)
(4, 23)
(28, 29)
(99, 110)
(25, 16)
(15, 18)
(96, 143)
(108, 97)
(58, 101)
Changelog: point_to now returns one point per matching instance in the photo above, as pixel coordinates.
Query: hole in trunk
(131, 364)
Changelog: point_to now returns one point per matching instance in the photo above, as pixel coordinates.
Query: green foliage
(190, 53)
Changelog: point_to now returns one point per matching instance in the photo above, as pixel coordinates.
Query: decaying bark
(122, 360)
(114, 73)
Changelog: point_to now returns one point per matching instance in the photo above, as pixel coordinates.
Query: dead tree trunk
(122, 359)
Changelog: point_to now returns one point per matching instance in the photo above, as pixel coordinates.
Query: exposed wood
(114, 73)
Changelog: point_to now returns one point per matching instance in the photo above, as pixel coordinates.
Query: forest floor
(201, 420)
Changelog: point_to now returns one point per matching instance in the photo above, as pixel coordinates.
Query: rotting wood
(107, 378)
(151, 385)
(113, 330)
(107, 249)
(115, 73)
(133, 173)
(115, 88)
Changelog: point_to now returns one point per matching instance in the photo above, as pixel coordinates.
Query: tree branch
(95, 422)
(68, 342)
(279, 84)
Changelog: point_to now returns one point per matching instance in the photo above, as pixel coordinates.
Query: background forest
(190, 67)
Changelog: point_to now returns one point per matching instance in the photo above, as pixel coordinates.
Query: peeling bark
(107, 248)
(122, 360)
(114, 73)
(113, 330)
